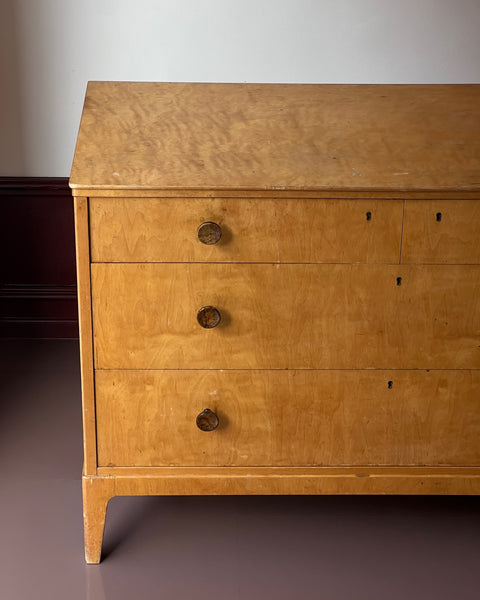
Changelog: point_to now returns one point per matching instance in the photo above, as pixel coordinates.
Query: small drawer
(441, 232)
(247, 230)
(287, 418)
(278, 316)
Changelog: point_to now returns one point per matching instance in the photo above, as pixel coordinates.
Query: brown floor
(364, 548)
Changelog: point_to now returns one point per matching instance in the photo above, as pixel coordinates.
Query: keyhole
(399, 281)
(390, 385)
(369, 216)
(438, 217)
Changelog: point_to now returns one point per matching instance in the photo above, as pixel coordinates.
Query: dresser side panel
(82, 245)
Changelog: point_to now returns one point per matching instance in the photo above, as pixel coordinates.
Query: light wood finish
(252, 136)
(441, 232)
(346, 359)
(287, 418)
(97, 491)
(285, 480)
(253, 230)
(385, 194)
(286, 316)
(85, 329)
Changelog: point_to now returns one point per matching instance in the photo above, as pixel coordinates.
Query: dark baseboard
(34, 186)
(37, 246)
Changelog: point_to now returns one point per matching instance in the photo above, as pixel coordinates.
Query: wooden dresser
(278, 290)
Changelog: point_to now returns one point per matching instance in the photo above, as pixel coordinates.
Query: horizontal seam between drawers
(275, 369)
(377, 469)
(218, 262)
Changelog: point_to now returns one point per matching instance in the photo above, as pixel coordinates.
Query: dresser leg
(97, 491)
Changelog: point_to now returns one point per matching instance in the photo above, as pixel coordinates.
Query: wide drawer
(252, 230)
(286, 316)
(442, 231)
(281, 418)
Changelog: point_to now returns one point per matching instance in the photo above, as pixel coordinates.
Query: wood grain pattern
(254, 230)
(288, 418)
(317, 480)
(288, 137)
(178, 472)
(286, 316)
(97, 491)
(85, 333)
(441, 232)
(334, 369)
(380, 194)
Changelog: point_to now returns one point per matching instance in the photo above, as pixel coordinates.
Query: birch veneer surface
(341, 279)
(278, 137)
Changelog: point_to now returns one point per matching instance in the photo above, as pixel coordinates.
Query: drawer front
(252, 230)
(288, 418)
(445, 232)
(286, 316)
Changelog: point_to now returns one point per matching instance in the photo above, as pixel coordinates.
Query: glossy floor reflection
(202, 547)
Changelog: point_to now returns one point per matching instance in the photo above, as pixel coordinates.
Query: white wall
(51, 48)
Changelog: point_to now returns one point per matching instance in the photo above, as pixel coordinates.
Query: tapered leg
(97, 491)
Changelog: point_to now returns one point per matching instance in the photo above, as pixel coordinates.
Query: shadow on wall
(11, 152)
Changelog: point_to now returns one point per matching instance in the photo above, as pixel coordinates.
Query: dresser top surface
(282, 137)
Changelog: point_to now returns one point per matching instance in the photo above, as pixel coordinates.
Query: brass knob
(208, 317)
(209, 233)
(207, 420)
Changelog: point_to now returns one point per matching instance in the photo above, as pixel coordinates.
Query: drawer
(252, 230)
(288, 418)
(441, 232)
(286, 316)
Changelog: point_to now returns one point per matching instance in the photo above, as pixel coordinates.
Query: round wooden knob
(209, 233)
(207, 420)
(208, 317)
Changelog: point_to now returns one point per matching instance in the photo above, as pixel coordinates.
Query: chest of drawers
(278, 290)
